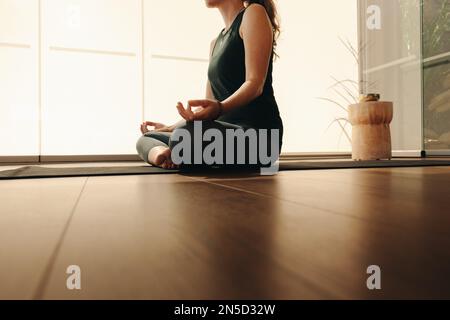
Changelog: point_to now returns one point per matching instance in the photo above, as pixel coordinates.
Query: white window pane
(92, 78)
(93, 24)
(180, 27)
(310, 54)
(92, 104)
(19, 126)
(170, 81)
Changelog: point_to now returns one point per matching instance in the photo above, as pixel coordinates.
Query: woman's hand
(207, 109)
(158, 127)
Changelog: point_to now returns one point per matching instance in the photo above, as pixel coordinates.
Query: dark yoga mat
(45, 172)
(28, 172)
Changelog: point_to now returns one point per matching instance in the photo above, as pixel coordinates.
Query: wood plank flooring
(33, 217)
(296, 235)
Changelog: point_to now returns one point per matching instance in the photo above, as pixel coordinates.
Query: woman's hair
(272, 12)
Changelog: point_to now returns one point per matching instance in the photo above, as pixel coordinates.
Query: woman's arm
(257, 34)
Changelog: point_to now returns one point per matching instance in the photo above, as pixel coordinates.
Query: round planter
(371, 135)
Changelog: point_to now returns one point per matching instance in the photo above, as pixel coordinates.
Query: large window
(78, 76)
(436, 46)
(391, 65)
(406, 58)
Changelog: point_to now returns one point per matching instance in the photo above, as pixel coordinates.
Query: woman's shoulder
(255, 10)
(255, 16)
(255, 13)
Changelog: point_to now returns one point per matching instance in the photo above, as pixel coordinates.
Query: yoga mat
(29, 172)
(46, 172)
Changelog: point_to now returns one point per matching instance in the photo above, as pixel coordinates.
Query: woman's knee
(140, 143)
(149, 141)
(140, 148)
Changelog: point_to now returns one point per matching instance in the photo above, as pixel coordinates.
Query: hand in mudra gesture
(158, 127)
(205, 109)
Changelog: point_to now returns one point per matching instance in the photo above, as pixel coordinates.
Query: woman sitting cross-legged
(239, 94)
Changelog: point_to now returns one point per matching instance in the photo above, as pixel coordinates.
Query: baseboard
(437, 153)
(89, 158)
(18, 159)
(300, 155)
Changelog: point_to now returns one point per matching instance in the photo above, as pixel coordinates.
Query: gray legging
(154, 139)
(150, 140)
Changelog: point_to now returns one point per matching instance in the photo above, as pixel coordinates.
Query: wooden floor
(297, 235)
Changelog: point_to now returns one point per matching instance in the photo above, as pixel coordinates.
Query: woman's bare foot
(160, 157)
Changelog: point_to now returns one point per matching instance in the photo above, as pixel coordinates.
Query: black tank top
(226, 74)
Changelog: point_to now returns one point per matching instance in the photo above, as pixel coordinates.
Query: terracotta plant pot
(371, 134)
